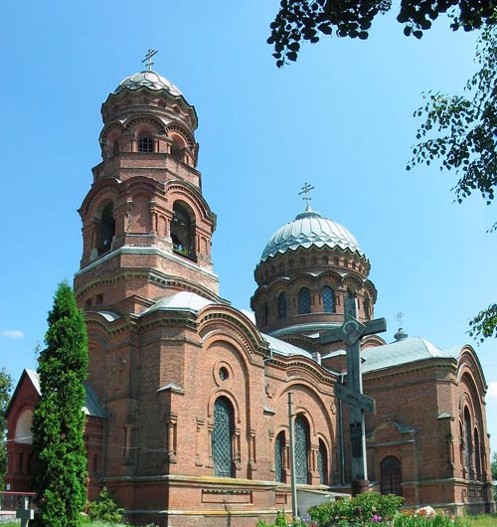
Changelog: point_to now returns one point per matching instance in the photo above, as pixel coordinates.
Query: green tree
(494, 467)
(58, 421)
(308, 20)
(6, 383)
(460, 133)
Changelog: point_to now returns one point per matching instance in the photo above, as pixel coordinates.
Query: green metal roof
(148, 79)
(411, 349)
(310, 229)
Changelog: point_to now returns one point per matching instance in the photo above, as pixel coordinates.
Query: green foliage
(58, 421)
(370, 508)
(308, 20)
(440, 520)
(6, 383)
(459, 133)
(105, 508)
(282, 521)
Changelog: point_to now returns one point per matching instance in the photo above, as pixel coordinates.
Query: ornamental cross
(148, 58)
(351, 332)
(305, 191)
(25, 514)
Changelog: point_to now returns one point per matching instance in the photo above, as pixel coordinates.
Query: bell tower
(147, 228)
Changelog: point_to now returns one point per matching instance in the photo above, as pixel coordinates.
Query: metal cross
(148, 58)
(305, 191)
(351, 332)
(25, 513)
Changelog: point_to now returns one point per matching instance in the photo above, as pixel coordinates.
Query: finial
(305, 191)
(148, 58)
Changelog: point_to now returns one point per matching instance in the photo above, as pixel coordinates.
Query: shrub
(365, 509)
(105, 508)
(409, 519)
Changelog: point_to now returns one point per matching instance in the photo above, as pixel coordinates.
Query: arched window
(116, 149)
(222, 438)
(304, 301)
(182, 232)
(390, 476)
(328, 300)
(106, 230)
(322, 463)
(279, 459)
(301, 448)
(177, 149)
(468, 444)
(145, 143)
(23, 432)
(367, 307)
(477, 455)
(282, 305)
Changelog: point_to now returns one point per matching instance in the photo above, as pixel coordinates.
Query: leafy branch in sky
(308, 20)
(460, 133)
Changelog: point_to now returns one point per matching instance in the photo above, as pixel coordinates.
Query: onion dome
(148, 79)
(308, 229)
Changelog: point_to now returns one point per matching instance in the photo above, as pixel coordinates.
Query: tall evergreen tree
(5, 388)
(58, 421)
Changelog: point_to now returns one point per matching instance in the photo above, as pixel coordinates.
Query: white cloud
(492, 390)
(12, 333)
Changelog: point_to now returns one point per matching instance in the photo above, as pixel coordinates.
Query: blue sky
(340, 118)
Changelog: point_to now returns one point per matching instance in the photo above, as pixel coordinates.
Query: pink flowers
(376, 518)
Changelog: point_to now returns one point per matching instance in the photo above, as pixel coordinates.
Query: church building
(187, 397)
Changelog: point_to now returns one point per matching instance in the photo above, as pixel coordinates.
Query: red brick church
(187, 419)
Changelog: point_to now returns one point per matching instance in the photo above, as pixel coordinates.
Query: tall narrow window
(222, 438)
(182, 232)
(367, 307)
(282, 305)
(390, 476)
(322, 464)
(301, 448)
(468, 444)
(106, 230)
(279, 449)
(477, 455)
(328, 300)
(304, 301)
(145, 144)
(177, 149)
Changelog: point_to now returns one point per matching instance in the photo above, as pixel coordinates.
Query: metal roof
(310, 229)
(284, 348)
(184, 300)
(411, 349)
(148, 79)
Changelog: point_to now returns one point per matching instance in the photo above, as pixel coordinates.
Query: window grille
(222, 449)
(279, 447)
(328, 300)
(322, 464)
(282, 305)
(391, 476)
(301, 449)
(304, 301)
(145, 144)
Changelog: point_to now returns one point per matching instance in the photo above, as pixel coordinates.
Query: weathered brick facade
(194, 422)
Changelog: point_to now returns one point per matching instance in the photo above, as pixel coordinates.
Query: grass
(483, 520)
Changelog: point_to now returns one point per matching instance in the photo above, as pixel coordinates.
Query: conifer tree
(58, 421)
(5, 388)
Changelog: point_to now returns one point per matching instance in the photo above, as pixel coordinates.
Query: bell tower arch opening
(183, 230)
(106, 228)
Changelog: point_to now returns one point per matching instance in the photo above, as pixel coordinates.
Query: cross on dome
(305, 191)
(148, 58)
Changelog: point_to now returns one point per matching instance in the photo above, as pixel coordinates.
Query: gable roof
(91, 407)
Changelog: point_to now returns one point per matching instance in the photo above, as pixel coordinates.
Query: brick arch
(144, 123)
(175, 129)
(108, 188)
(179, 191)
